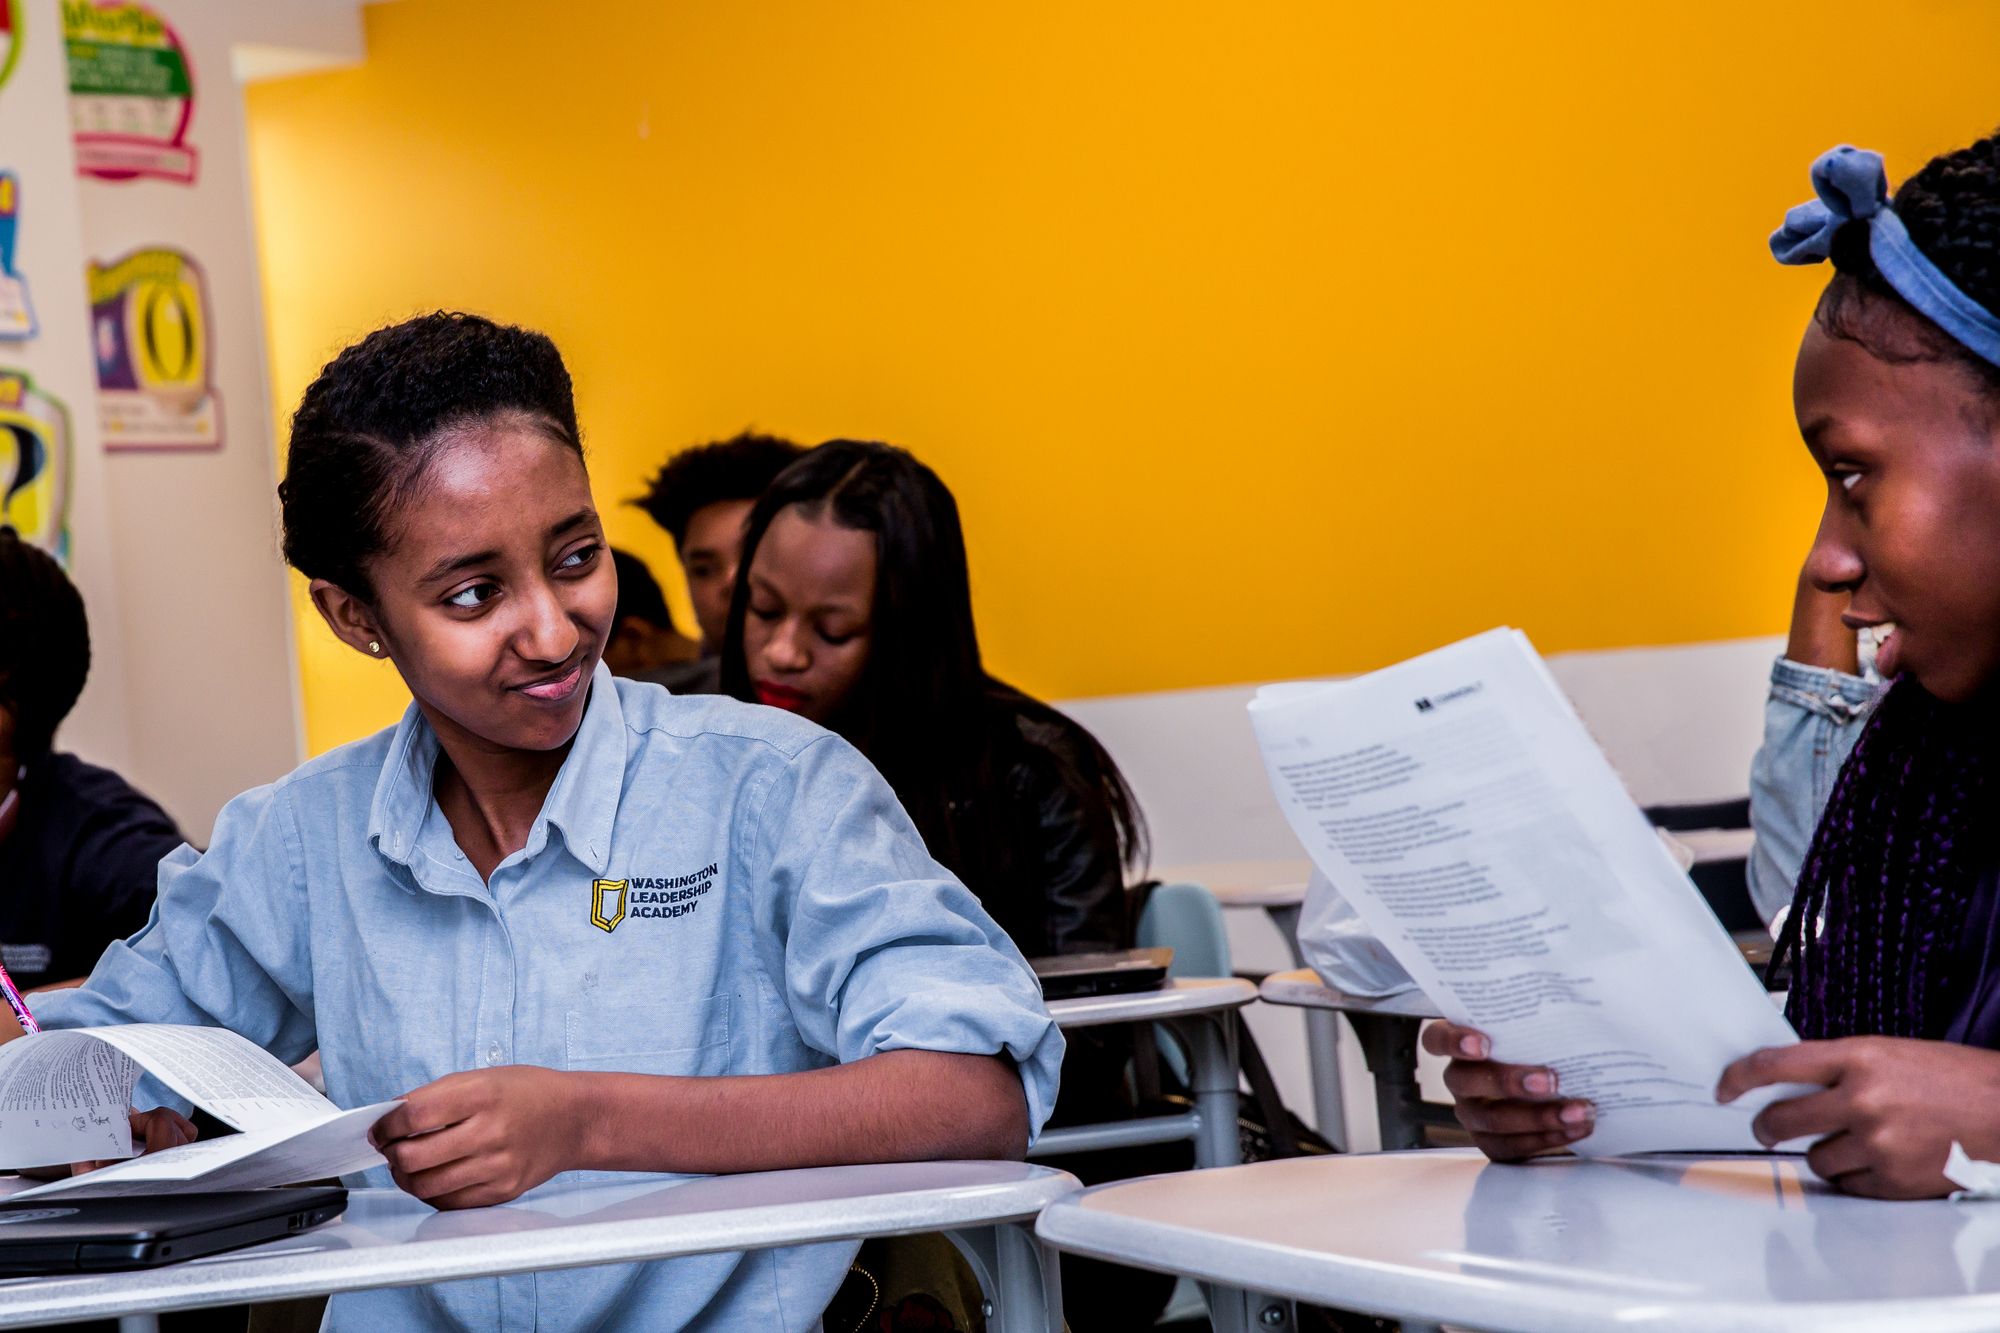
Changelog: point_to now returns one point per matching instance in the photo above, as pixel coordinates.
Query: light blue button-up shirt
(711, 888)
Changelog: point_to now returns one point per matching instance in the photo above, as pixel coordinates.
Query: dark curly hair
(44, 644)
(734, 469)
(1951, 209)
(372, 422)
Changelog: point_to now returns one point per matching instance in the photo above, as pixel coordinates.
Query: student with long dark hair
(1893, 938)
(573, 923)
(854, 608)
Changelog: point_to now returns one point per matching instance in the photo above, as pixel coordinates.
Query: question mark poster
(149, 329)
(34, 463)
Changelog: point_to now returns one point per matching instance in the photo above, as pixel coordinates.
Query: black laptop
(55, 1234)
(1115, 973)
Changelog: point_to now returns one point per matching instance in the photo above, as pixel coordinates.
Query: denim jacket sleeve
(1811, 721)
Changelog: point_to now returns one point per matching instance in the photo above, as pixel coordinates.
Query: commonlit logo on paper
(1430, 703)
(607, 903)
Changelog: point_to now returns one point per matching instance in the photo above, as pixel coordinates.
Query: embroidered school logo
(649, 897)
(607, 903)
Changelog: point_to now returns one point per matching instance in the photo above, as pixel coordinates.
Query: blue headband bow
(1852, 186)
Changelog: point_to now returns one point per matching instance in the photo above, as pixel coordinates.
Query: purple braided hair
(1883, 896)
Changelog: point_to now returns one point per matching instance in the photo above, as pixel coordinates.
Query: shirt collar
(582, 805)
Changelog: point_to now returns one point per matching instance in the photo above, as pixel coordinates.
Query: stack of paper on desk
(1458, 804)
(64, 1098)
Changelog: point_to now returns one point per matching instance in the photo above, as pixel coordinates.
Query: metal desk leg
(1228, 1308)
(1389, 1044)
(1211, 1046)
(1019, 1274)
(1323, 1063)
(1322, 1044)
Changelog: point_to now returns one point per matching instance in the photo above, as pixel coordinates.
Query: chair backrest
(1187, 919)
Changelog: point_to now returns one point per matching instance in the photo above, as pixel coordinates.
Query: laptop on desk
(58, 1234)
(1072, 976)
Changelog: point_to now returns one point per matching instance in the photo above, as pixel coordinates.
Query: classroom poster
(17, 313)
(149, 328)
(131, 92)
(34, 463)
(10, 38)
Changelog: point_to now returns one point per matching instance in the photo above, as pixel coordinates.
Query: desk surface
(1718, 844)
(1303, 989)
(1190, 995)
(388, 1239)
(1239, 883)
(1558, 1245)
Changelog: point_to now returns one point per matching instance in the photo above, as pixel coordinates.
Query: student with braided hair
(80, 849)
(1891, 939)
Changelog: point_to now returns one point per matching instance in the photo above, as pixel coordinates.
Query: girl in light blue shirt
(576, 924)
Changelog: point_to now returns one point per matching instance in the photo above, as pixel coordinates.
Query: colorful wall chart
(131, 93)
(149, 327)
(10, 37)
(34, 463)
(17, 313)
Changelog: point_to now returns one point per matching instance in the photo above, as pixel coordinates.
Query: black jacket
(1039, 844)
(79, 869)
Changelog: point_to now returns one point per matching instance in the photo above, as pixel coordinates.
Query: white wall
(193, 693)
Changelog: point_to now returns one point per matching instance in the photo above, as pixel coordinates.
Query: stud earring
(374, 647)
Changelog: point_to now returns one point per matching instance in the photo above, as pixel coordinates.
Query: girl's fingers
(161, 1128)
(1508, 1116)
(429, 1152)
(439, 1181)
(1797, 1117)
(1455, 1042)
(1838, 1158)
(1484, 1078)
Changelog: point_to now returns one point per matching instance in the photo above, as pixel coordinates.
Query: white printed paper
(229, 1076)
(64, 1098)
(322, 1147)
(1459, 805)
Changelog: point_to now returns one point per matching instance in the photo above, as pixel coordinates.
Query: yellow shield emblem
(607, 903)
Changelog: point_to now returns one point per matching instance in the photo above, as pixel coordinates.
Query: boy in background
(643, 636)
(702, 497)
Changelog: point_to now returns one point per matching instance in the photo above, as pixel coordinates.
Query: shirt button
(494, 1055)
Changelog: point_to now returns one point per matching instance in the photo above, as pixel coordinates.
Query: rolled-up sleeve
(226, 944)
(879, 947)
(1812, 719)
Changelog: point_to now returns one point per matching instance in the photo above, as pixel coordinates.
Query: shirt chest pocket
(688, 1038)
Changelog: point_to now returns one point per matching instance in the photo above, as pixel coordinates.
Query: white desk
(1201, 1011)
(388, 1239)
(1557, 1245)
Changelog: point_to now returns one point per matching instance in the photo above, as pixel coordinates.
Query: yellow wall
(1257, 340)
